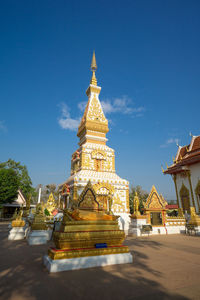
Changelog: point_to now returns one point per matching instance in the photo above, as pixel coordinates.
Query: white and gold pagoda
(95, 161)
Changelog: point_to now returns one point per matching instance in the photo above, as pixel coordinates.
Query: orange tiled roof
(196, 144)
(186, 155)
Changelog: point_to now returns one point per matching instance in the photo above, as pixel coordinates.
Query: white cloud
(123, 105)
(3, 127)
(65, 121)
(82, 105)
(169, 142)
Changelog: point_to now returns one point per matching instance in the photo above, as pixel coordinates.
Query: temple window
(185, 198)
(156, 218)
(98, 165)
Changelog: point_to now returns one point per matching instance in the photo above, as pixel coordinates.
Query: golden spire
(93, 81)
(93, 119)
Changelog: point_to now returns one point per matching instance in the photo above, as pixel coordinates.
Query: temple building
(155, 208)
(185, 172)
(8, 209)
(155, 218)
(94, 161)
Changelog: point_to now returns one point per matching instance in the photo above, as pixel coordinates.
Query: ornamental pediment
(95, 112)
(154, 201)
(98, 154)
(87, 199)
(103, 188)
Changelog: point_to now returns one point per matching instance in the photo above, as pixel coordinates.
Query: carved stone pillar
(180, 209)
(177, 196)
(191, 190)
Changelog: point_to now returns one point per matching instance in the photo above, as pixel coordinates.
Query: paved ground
(164, 267)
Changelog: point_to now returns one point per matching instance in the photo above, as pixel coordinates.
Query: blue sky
(148, 56)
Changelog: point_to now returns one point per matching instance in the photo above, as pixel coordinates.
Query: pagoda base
(38, 237)
(60, 265)
(16, 233)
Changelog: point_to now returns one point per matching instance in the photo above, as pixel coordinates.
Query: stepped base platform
(84, 262)
(38, 237)
(16, 233)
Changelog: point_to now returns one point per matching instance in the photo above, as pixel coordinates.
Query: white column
(39, 195)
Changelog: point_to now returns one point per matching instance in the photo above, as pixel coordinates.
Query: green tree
(141, 194)
(9, 184)
(21, 172)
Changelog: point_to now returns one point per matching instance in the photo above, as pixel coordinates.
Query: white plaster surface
(158, 230)
(17, 233)
(136, 225)
(195, 176)
(60, 265)
(124, 222)
(49, 231)
(176, 229)
(38, 237)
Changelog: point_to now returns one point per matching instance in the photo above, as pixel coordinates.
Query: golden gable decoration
(154, 200)
(104, 192)
(95, 112)
(98, 154)
(104, 185)
(87, 199)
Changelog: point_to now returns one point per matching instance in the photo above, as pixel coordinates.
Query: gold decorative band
(74, 253)
(18, 223)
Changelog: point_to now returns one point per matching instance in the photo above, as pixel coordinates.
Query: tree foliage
(8, 185)
(20, 177)
(141, 194)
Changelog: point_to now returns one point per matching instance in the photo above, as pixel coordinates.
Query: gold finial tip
(93, 63)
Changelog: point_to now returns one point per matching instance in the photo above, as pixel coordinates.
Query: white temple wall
(177, 228)
(124, 221)
(195, 177)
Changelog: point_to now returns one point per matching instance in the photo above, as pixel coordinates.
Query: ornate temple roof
(155, 201)
(93, 123)
(186, 155)
(93, 112)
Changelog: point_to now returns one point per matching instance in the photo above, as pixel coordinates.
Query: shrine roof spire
(94, 125)
(93, 80)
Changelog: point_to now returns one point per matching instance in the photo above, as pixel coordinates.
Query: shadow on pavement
(23, 276)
